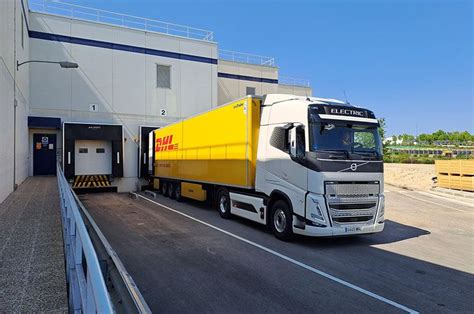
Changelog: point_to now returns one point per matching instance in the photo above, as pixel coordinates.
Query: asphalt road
(423, 261)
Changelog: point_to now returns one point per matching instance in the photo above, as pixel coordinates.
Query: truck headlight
(381, 213)
(315, 211)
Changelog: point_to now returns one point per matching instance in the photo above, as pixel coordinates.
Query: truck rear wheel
(164, 188)
(171, 189)
(223, 203)
(177, 192)
(281, 221)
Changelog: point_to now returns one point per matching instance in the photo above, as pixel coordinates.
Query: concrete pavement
(423, 260)
(32, 275)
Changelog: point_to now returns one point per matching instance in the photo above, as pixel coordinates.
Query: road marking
(289, 259)
(430, 202)
(445, 197)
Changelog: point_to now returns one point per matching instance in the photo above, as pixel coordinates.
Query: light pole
(64, 65)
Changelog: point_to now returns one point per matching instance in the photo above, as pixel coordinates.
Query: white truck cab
(322, 158)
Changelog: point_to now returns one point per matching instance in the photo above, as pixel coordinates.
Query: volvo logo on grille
(353, 167)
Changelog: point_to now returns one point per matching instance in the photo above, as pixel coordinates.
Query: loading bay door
(93, 157)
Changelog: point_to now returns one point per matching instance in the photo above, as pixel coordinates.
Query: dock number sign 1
(94, 107)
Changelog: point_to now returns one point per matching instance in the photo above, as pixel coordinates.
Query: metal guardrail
(86, 286)
(118, 19)
(235, 56)
(97, 280)
(294, 81)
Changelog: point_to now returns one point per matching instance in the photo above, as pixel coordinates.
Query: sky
(410, 61)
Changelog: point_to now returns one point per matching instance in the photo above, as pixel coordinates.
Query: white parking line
(289, 259)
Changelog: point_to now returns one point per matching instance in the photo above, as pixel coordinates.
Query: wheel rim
(177, 191)
(223, 204)
(279, 220)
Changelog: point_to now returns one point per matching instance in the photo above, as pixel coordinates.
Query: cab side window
(300, 142)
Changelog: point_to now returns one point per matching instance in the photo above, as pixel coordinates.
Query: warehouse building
(134, 75)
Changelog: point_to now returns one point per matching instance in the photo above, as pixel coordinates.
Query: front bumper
(323, 217)
(339, 230)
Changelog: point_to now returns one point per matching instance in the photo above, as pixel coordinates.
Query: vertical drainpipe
(14, 95)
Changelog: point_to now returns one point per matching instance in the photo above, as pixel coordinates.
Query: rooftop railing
(235, 56)
(294, 81)
(118, 19)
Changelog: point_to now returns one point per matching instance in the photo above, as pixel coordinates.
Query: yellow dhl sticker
(165, 143)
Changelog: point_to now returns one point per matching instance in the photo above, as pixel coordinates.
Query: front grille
(349, 189)
(352, 219)
(352, 202)
(352, 206)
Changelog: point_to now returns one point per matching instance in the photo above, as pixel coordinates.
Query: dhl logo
(165, 143)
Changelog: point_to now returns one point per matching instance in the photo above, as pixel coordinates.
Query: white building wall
(121, 83)
(295, 90)
(234, 88)
(13, 163)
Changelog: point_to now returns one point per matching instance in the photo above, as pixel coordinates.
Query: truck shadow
(393, 232)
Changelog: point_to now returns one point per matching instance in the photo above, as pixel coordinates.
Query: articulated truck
(300, 165)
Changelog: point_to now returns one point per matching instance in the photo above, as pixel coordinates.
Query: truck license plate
(352, 229)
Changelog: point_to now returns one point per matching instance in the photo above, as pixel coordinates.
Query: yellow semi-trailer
(302, 165)
(216, 147)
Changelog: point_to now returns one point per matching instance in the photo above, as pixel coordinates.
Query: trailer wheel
(171, 188)
(223, 203)
(177, 192)
(164, 188)
(281, 221)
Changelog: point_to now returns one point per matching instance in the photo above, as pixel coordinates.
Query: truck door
(294, 172)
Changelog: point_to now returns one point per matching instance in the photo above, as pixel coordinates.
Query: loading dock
(93, 157)
(146, 151)
(92, 152)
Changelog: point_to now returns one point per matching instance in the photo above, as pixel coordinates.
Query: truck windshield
(346, 139)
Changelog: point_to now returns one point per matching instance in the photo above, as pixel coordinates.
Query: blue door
(44, 154)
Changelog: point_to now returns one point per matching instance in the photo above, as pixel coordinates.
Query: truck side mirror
(296, 145)
(292, 141)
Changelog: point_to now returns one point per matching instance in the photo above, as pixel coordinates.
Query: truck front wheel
(281, 221)
(223, 203)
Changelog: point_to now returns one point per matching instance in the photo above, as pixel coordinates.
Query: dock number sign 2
(163, 112)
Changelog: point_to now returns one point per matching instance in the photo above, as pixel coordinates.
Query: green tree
(440, 135)
(382, 127)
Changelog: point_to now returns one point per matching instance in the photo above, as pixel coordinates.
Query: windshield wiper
(340, 152)
(366, 153)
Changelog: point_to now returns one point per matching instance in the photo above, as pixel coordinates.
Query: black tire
(281, 221)
(223, 203)
(164, 188)
(171, 188)
(177, 192)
